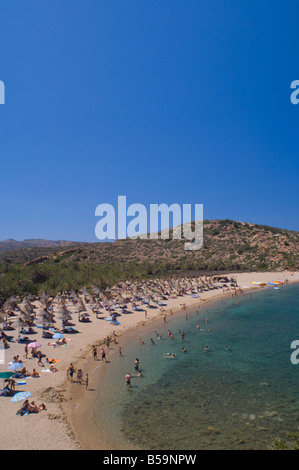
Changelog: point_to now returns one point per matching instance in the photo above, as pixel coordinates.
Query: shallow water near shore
(240, 398)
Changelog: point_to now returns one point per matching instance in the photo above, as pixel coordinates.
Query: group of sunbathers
(30, 408)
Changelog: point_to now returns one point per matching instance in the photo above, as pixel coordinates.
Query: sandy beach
(63, 425)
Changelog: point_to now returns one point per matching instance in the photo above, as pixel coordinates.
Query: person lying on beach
(52, 361)
(21, 339)
(30, 331)
(61, 341)
(33, 408)
(7, 392)
(24, 372)
(53, 369)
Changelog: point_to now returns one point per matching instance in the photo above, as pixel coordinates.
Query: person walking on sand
(86, 382)
(103, 354)
(71, 372)
(145, 314)
(79, 376)
(26, 351)
(95, 353)
(119, 351)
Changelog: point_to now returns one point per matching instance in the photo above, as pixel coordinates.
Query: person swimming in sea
(169, 355)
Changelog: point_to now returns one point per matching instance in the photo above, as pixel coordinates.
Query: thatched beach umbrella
(44, 316)
(20, 323)
(44, 299)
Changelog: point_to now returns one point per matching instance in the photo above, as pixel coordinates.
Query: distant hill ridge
(227, 245)
(11, 244)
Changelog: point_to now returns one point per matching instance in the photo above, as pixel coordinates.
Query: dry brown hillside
(227, 245)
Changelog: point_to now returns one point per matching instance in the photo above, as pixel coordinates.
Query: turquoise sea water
(239, 398)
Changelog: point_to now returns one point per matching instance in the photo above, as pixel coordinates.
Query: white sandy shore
(49, 429)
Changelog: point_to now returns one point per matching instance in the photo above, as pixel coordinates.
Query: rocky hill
(227, 245)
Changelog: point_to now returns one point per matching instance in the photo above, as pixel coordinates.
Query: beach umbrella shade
(63, 314)
(16, 366)
(84, 291)
(57, 336)
(29, 297)
(44, 316)
(10, 303)
(6, 375)
(21, 396)
(21, 323)
(72, 294)
(96, 290)
(62, 310)
(34, 345)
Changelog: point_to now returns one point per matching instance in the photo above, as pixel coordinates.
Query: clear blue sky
(161, 101)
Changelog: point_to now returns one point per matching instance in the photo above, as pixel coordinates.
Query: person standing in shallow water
(128, 379)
